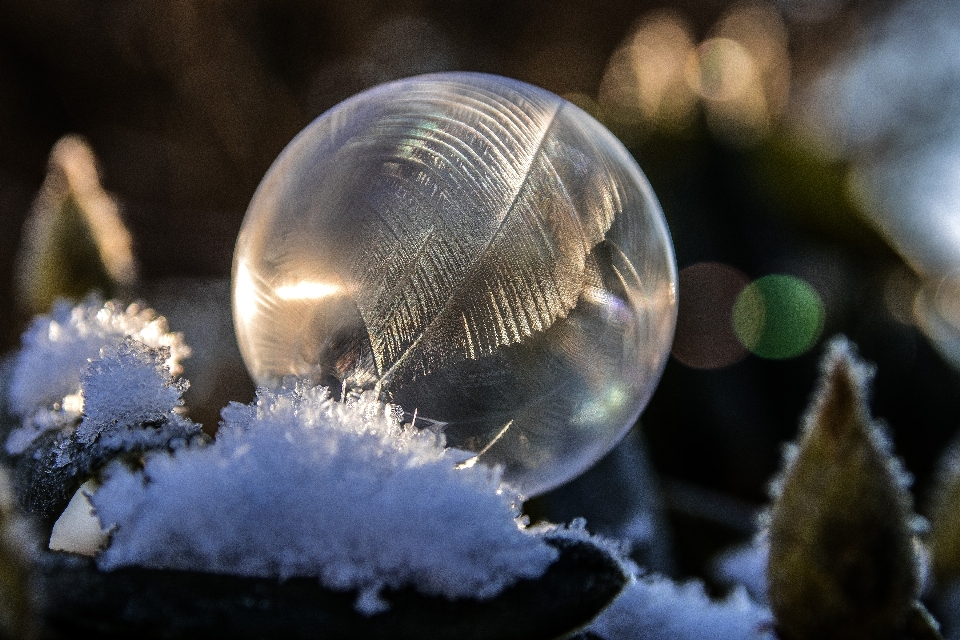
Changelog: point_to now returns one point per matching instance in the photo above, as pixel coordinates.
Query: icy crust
(298, 484)
(44, 388)
(655, 608)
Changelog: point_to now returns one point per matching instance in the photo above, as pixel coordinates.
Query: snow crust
(44, 386)
(298, 484)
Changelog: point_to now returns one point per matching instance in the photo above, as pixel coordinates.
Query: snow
(131, 401)
(44, 389)
(655, 608)
(298, 484)
(746, 565)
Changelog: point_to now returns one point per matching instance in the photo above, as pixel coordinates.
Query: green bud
(842, 550)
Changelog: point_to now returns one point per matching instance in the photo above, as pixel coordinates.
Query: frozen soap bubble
(478, 250)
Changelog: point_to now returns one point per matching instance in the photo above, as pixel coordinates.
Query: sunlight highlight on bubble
(778, 317)
(244, 292)
(306, 290)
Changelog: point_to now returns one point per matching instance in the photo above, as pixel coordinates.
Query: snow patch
(45, 380)
(298, 484)
(655, 608)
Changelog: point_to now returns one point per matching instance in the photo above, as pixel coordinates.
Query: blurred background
(806, 154)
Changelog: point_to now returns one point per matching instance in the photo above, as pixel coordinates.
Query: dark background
(186, 103)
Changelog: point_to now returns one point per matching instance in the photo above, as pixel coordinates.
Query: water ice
(475, 249)
(132, 403)
(746, 565)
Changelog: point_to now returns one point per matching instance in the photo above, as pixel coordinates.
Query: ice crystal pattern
(475, 249)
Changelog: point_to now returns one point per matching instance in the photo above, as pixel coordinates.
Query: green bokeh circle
(778, 317)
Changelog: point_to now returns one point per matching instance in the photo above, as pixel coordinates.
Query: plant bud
(74, 241)
(842, 549)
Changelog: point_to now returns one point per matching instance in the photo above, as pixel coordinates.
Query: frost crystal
(128, 391)
(44, 390)
(298, 484)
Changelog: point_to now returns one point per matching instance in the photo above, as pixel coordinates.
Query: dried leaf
(842, 551)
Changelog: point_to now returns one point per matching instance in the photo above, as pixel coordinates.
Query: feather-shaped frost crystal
(480, 252)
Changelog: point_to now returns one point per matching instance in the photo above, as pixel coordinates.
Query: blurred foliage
(75, 241)
(16, 597)
(944, 538)
(812, 189)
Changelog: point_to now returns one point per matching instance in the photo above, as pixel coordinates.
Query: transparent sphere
(479, 251)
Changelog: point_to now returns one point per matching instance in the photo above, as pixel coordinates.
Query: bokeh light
(722, 70)
(778, 317)
(740, 76)
(760, 30)
(900, 289)
(645, 75)
(705, 338)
